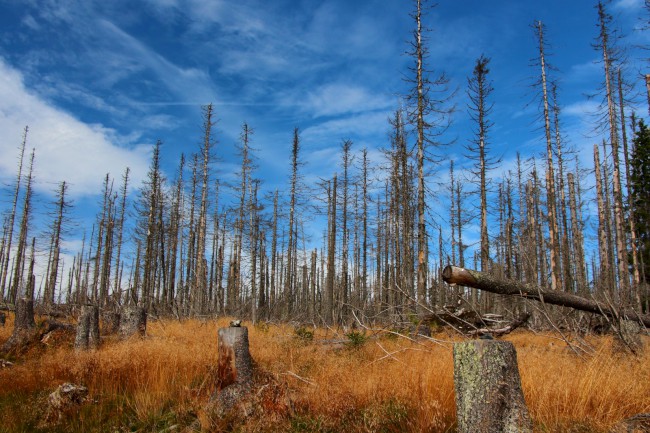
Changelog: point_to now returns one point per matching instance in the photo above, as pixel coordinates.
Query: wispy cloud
(66, 148)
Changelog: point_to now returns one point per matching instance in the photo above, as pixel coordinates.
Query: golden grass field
(386, 383)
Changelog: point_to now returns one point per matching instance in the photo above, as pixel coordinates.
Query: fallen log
(488, 283)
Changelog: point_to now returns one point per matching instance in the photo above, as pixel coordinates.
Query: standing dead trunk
(488, 388)
(88, 328)
(133, 321)
(24, 325)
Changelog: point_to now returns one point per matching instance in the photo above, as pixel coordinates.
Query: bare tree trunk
(550, 177)
(619, 223)
(50, 287)
(88, 328)
(578, 242)
(133, 321)
(12, 218)
(605, 278)
(117, 284)
(565, 250)
(329, 313)
(489, 397)
(22, 237)
(344, 287)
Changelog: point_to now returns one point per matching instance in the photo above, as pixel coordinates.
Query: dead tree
(24, 325)
(133, 321)
(488, 388)
(87, 328)
(488, 283)
(12, 218)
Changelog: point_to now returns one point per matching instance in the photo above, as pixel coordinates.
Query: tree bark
(488, 388)
(133, 321)
(88, 328)
(483, 281)
(235, 367)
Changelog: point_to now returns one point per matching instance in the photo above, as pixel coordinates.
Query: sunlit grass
(387, 383)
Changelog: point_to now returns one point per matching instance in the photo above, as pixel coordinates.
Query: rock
(637, 424)
(66, 397)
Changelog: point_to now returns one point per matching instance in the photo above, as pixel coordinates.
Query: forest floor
(360, 381)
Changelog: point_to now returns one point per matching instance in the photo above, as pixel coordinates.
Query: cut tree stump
(88, 328)
(133, 321)
(24, 326)
(234, 368)
(489, 398)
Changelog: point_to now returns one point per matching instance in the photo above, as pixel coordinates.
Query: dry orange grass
(387, 383)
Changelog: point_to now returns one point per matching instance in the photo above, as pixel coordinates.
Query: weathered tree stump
(133, 321)
(112, 320)
(628, 338)
(3, 319)
(24, 314)
(88, 328)
(489, 398)
(24, 326)
(234, 368)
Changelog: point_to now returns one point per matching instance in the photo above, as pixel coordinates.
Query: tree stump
(24, 314)
(628, 338)
(489, 398)
(3, 319)
(112, 322)
(234, 368)
(24, 326)
(133, 321)
(88, 328)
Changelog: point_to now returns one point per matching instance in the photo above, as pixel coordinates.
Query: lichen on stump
(489, 398)
(88, 328)
(24, 326)
(133, 321)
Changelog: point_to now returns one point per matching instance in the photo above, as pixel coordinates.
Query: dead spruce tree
(12, 218)
(428, 115)
(479, 90)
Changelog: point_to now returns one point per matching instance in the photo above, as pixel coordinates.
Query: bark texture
(489, 398)
(235, 367)
(484, 281)
(134, 321)
(88, 328)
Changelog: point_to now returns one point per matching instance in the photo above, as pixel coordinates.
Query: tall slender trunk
(12, 218)
(550, 177)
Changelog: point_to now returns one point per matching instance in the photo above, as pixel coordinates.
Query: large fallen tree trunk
(488, 283)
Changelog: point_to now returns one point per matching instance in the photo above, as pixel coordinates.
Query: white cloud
(628, 5)
(336, 99)
(66, 148)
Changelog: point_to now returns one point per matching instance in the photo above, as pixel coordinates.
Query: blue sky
(98, 82)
